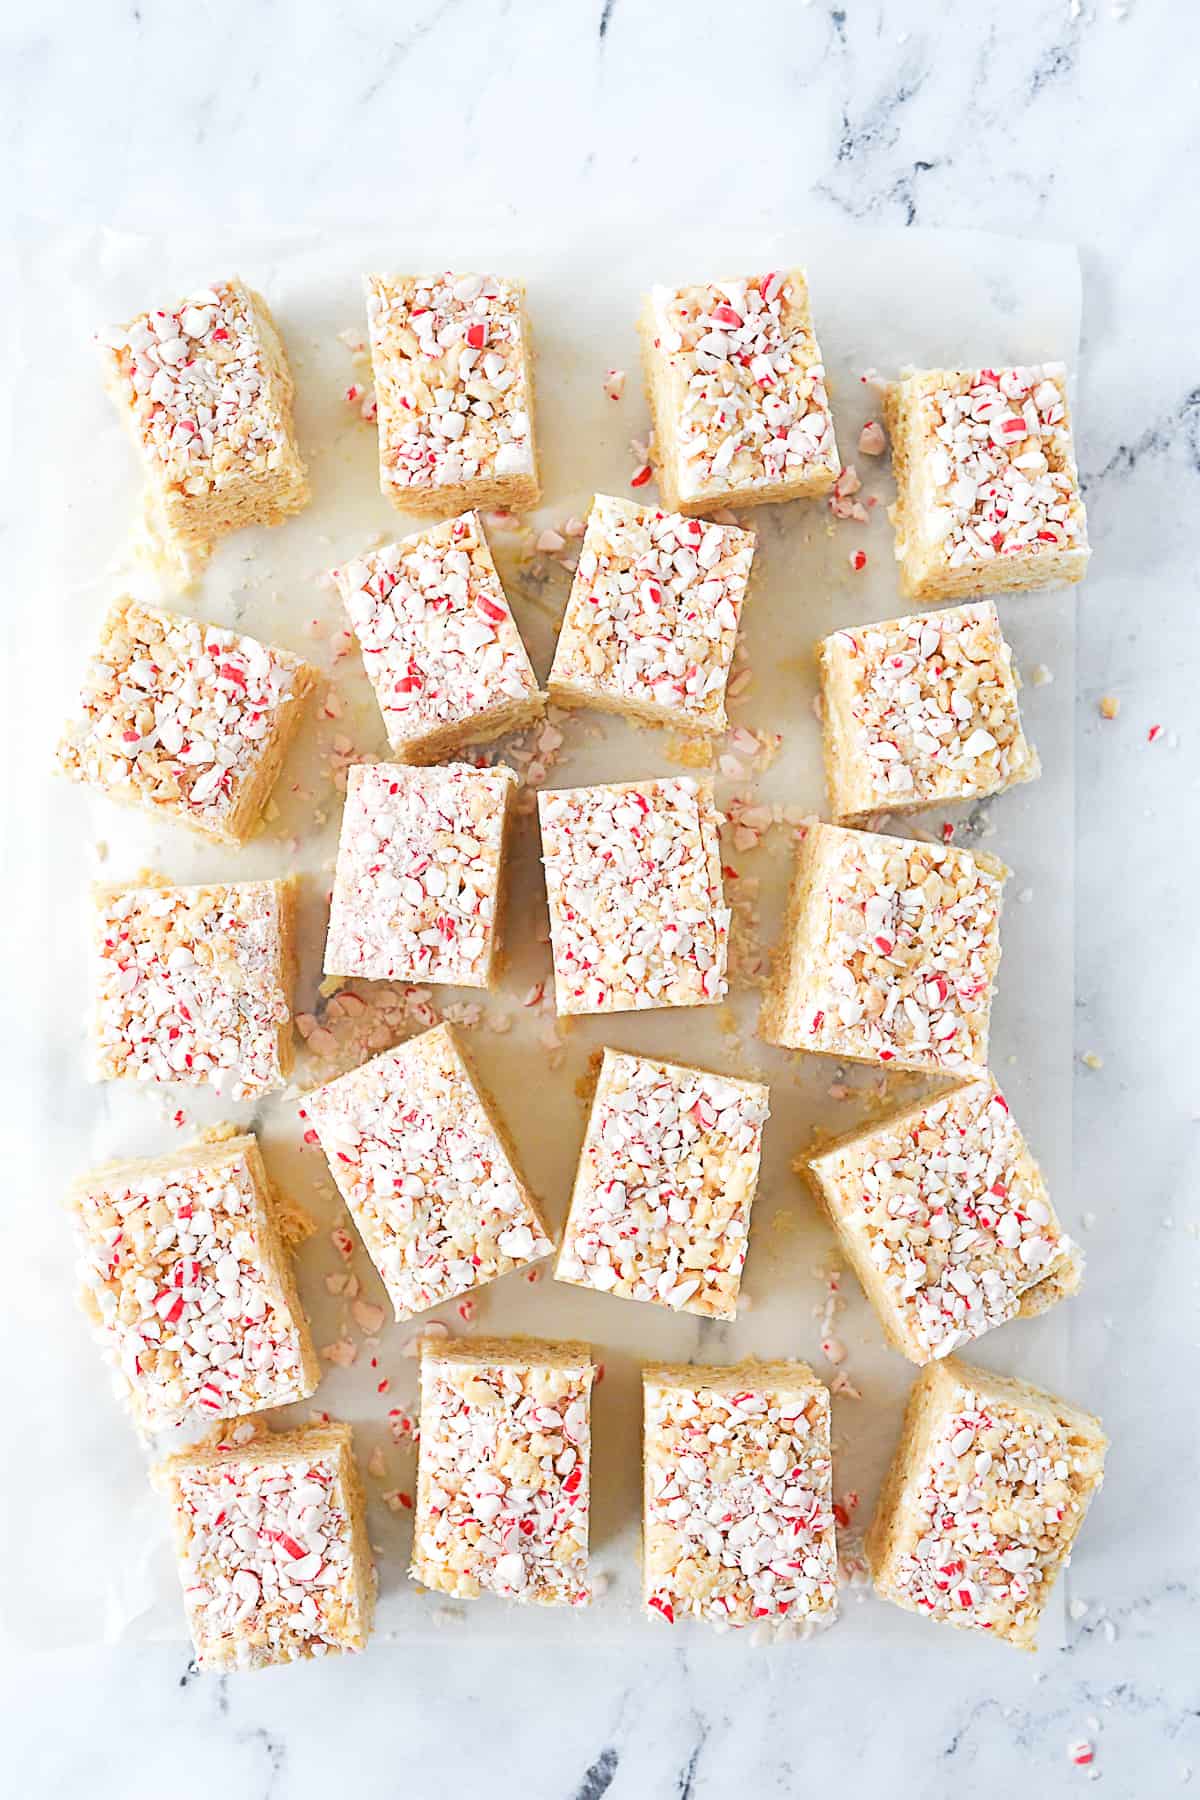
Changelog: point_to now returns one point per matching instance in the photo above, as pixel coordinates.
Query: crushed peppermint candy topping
(437, 636)
(994, 1512)
(749, 408)
(183, 717)
(739, 1525)
(653, 613)
(922, 710)
(198, 385)
(190, 984)
(997, 453)
(418, 873)
(902, 945)
(637, 913)
(267, 1555)
(946, 1208)
(667, 1175)
(451, 378)
(425, 1174)
(503, 1488)
(181, 1274)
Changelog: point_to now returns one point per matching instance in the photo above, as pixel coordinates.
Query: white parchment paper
(88, 1557)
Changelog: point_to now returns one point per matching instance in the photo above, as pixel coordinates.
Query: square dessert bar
(988, 1488)
(661, 1204)
(738, 1523)
(206, 390)
(889, 953)
(428, 1172)
(271, 1540)
(737, 393)
(652, 616)
(921, 711)
(454, 384)
(987, 492)
(637, 912)
(503, 1472)
(439, 642)
(418, 885)
(194, 984)
(942, 1213)
(187, 1278)
(185, 719)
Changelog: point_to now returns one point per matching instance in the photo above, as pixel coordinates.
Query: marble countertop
(1024, 118)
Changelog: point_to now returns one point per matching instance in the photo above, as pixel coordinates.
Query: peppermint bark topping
(1001, 466)
(654, 610)
(452, 378)
(739, 1516)
(923, 709)
(633, 874)
(950, 1209)
(268, 1571)
(180, 1278)
(910, 950)
(190, 984)
(753, 410)
(425, 1174)
(437, 636)
(196, 382)
(503, 1498)
(181, 715)
(418, 873)
(661, 1207)
(999, 1504)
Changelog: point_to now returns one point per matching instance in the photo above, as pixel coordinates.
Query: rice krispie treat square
(667, 1175)
(271, 1540)
(738, 1526)
(987, 491)
(439, 642)
(943, 1215)
(206, 391)
(187, 720)
(637, 909)
(194, 984)
(888, 954)
(454, 384)
(737, 392)
(980, 1509)
(652, 616)
(428, 1172)
(921, 711)
(503, 1493)
(418, 888)
(187, 1278)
